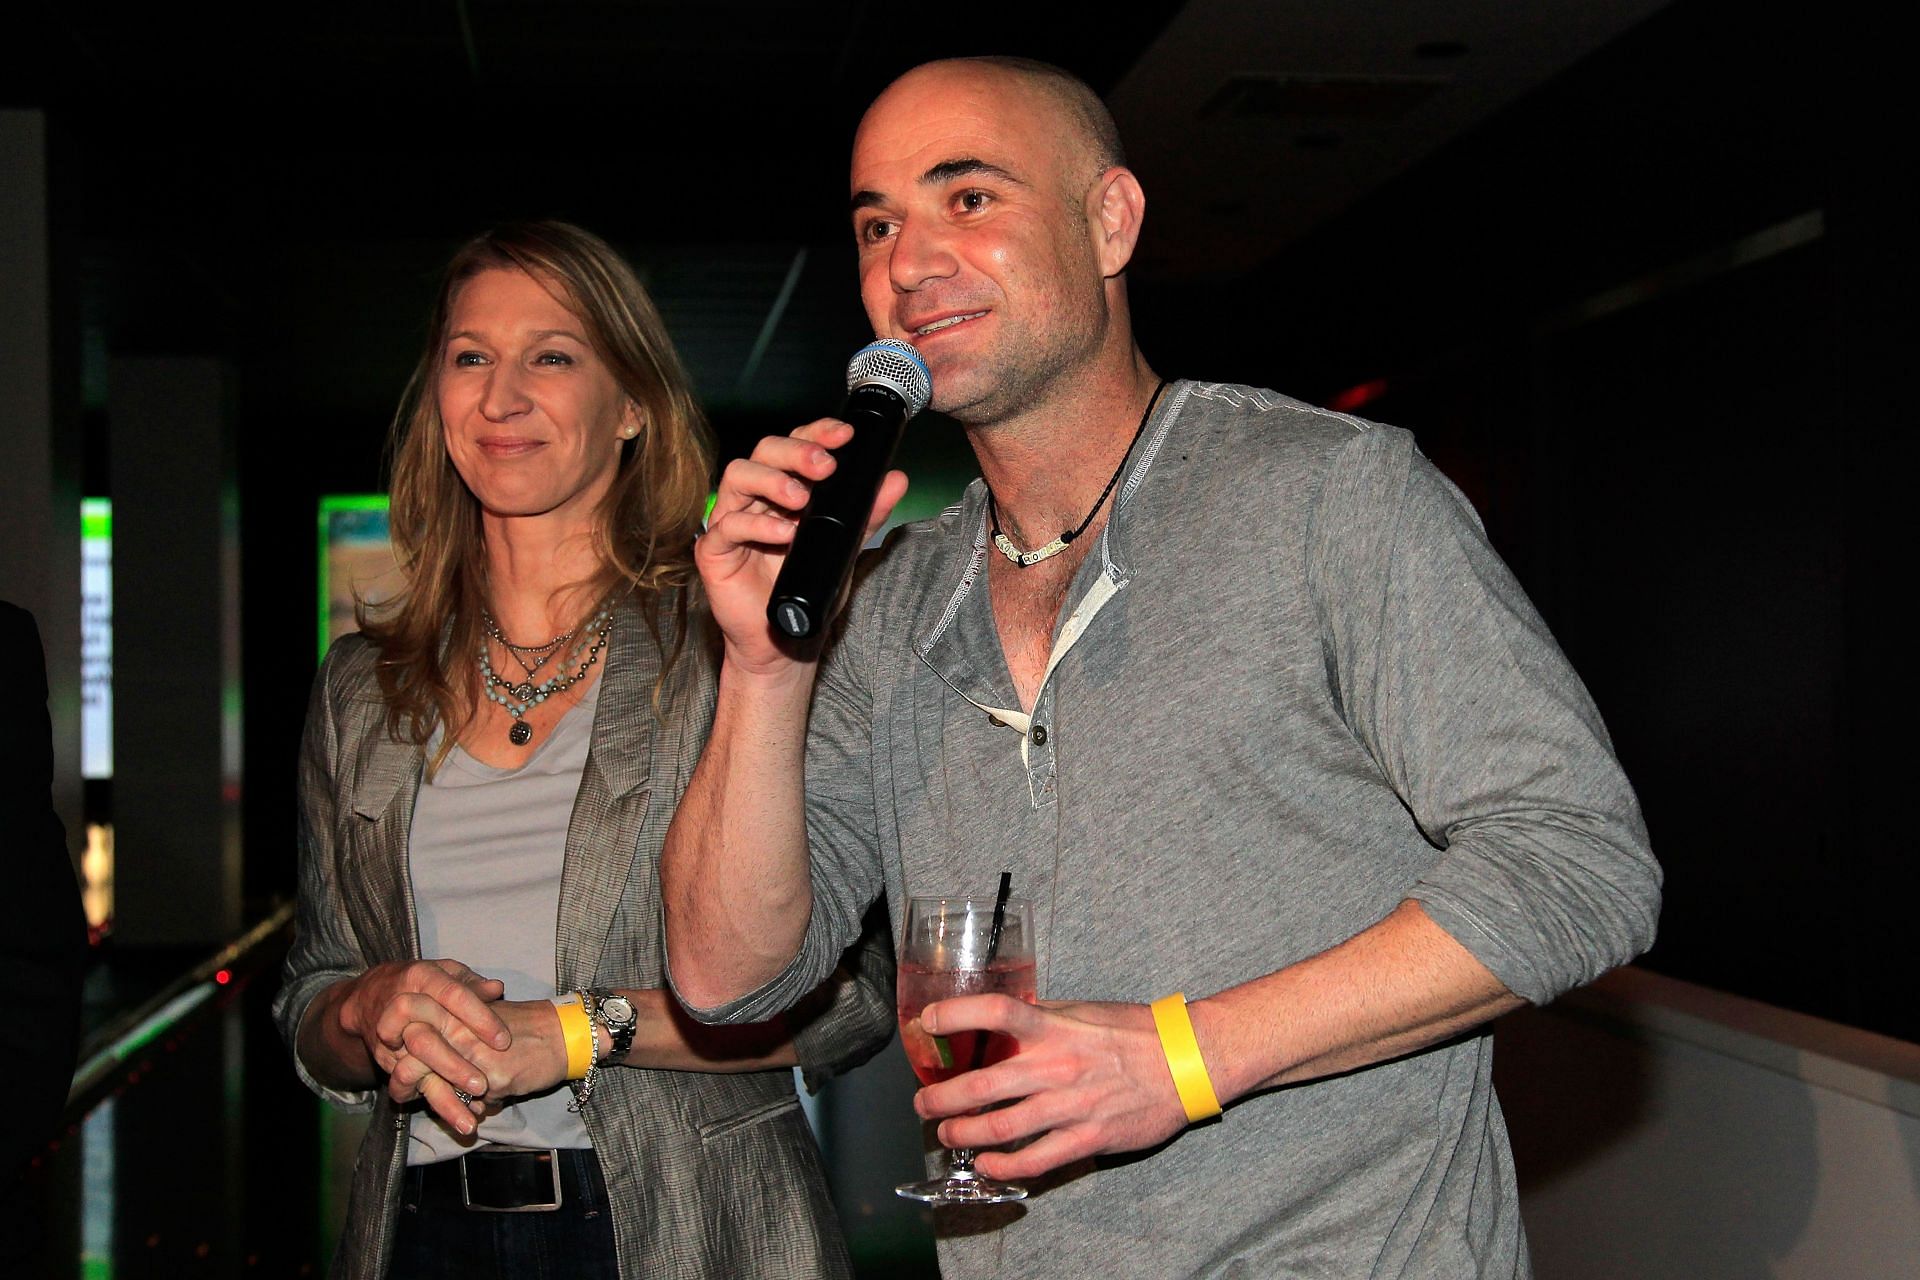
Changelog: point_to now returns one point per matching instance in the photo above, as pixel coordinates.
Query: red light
(1353, 397)
(223, 976)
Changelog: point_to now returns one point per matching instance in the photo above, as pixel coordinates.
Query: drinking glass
(949, 950)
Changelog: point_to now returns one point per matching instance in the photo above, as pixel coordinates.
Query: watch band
(616, 1013)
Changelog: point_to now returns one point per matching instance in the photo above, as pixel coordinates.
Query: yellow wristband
(578, 1029)
(1190, 1079)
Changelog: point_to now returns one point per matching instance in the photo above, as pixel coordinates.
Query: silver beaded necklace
(520, 652)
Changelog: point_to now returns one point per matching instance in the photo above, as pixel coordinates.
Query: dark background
(1648, 310)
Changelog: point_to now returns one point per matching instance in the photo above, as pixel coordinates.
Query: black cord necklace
(1026, 559)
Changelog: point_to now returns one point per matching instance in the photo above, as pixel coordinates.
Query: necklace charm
(521, 733)
(1024, 558)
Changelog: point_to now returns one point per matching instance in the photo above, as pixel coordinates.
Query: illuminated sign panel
(356, 560)
(96, 637)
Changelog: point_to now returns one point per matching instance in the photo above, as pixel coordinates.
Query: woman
(487, 774)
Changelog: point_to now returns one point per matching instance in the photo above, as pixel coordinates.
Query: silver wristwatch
(617, 1014)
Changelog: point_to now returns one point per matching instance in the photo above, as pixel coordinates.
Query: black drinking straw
(993, 949)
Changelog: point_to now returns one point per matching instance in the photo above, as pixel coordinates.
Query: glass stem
(960, 1163)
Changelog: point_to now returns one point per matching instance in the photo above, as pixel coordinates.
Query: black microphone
(887, 383)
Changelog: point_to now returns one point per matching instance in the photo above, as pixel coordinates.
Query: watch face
(617, 1009)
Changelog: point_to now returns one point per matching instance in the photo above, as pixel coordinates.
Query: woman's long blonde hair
(645, 526)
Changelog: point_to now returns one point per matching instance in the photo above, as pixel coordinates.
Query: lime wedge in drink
(923, 1046)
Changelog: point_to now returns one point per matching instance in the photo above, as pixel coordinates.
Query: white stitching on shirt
(960, 592)
(1152, 450)
(1240, 397)
(1147, 455)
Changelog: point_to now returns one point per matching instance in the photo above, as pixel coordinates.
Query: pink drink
(937, 1058)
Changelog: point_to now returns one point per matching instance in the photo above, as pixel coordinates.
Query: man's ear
(1116, 207)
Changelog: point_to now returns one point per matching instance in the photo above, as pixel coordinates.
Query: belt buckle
(516, 1154)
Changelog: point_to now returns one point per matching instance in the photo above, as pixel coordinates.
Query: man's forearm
(332, 1056)
(734, 872)
(1094, 1078)
(1396, 987)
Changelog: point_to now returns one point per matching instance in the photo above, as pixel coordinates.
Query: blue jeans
(438, 1238)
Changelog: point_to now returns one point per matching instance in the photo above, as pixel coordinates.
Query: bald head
(1075, 101)
(1075, 116)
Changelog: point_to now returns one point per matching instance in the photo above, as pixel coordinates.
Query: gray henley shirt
(1295, 688)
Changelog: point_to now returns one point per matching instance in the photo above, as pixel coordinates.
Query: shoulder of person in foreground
(43, 934)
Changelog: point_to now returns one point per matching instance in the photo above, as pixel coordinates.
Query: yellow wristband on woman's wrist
(1190, 1079)
(577, 1027)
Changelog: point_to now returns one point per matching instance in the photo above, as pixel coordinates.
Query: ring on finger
(463, 1095)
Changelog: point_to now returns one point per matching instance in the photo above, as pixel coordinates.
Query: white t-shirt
(485, 854)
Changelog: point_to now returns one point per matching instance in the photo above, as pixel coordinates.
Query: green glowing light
(96, 518)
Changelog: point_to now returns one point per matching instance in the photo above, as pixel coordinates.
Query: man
(1237, 691)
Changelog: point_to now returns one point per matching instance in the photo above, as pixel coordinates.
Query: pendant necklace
(541, 653)
(1026, 559)
(520, 697)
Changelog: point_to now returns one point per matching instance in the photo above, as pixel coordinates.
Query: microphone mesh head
(891, 363)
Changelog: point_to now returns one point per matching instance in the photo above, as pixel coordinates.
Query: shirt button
(1039, 735)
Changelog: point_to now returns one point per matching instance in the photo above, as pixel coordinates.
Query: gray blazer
(708, 1174)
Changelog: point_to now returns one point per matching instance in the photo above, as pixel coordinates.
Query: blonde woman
(488, 771)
